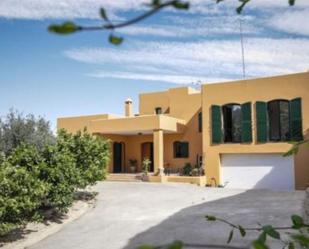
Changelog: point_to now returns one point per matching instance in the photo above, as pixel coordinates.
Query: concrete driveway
(130, 214)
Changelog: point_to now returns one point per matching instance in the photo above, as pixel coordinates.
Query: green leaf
(259, 245)
(116, 40)
(298, 221)
(145, 247)
(64, 29)
(242, 231)
(230, 236)
(291, 2)
(181, 5)
(210, 218)
(270, 231)
(302, 239)
(156, 3)
(240, 8)
(175, 245)
(291, 245)
(262, 237)
(103, 14)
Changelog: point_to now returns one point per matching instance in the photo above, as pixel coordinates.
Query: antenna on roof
(242, 49)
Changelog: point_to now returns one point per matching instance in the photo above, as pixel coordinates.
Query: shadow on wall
(248, 208)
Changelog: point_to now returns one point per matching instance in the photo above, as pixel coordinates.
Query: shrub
(21, 193)
(91, 155)
(32, 180)
(187, 169)
(60, 173)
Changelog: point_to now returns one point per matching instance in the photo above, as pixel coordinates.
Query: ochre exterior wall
(179, 122)
(182, 102)
(262, 89)
(133, 145)
(74, 124)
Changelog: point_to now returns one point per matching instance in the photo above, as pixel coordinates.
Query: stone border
(40, 231)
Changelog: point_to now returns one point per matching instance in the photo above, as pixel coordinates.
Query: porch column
(158, 151)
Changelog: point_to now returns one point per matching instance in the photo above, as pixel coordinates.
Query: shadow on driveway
(247, 209)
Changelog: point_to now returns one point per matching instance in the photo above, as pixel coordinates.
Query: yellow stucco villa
(233, 133)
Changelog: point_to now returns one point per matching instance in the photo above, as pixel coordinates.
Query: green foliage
(16, 129)
(32, 180)
(64, 29)
(297, 221)
(156, 6)
(116, 40)
(210, 218)
(21, 193)
(270, 231)
(59, 172)
(241, 6)
(174, 245)
(91, 155)
(187, 169)
(181, 5)
(301, 237)
(295, 148)
(146, 165)
(103, 14)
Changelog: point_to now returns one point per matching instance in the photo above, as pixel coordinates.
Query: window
(279, 120)
(232, 123)
(200, 125)
(158, 110)
(181, 149)
(237, 123)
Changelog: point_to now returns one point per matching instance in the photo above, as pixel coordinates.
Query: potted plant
(146, 165)
(133, 165)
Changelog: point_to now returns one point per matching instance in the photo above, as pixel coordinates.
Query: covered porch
(138, 138)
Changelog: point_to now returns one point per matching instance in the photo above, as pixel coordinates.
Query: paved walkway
(129, 214)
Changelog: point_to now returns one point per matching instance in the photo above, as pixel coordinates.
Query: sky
(55, 76)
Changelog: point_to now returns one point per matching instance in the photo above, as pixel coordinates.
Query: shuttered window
(216, 124)
(279, 120)
(237, 123)
(246, 123)
(296, 120)
(261, 121)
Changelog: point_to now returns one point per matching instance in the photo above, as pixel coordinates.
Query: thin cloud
(169, 78)
(41, 9)
(293, 22)
(200, 60)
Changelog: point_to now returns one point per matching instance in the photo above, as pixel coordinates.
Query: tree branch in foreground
(155, 5)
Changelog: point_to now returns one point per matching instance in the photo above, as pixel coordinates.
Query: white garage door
(257, 171)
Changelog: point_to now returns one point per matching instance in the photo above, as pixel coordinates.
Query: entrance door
(147, 152)
(117, 157)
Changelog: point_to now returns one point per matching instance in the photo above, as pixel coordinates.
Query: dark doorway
(117, 157)
(147, 152)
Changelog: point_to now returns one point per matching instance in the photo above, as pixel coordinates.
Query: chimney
(128, 108)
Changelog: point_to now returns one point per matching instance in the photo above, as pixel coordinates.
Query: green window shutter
(296, 120)
(216, 124)
(261, 121)
(185, 149)
(246, 126)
